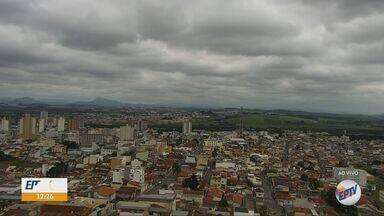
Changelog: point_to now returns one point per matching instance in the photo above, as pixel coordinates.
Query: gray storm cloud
(307, 55)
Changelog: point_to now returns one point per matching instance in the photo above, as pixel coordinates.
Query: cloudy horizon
(323, 56)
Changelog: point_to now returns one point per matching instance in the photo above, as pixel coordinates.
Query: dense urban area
(129, 162)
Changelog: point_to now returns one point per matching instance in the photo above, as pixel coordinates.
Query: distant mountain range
(100, 102)
(97, 102)
(19, 101)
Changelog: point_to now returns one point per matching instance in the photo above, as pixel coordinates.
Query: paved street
(272, 207)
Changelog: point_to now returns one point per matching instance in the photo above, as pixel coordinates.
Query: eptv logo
(44, 189)
(30, 184)
(348, 192)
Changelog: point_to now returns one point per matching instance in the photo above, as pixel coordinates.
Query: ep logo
(30, 184)
(348, 192)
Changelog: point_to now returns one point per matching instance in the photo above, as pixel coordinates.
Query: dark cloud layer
(301, 54)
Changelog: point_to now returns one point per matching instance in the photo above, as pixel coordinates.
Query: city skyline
(303, 55)
(184, 108)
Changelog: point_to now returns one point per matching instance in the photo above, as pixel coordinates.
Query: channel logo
(30, 184)
(348, 192)
(44, 189)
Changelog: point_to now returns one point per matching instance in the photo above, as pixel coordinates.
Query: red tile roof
(302, 210)
(63, 210)
(236, 197)
(105, 191)
(134, 183)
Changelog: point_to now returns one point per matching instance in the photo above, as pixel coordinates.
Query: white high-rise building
(136, 171)
(187, 127)
(127, 133)
(53, 122)
(61, 124)
(34, 126)
(44, 116)
(4, 124)
(21, 126)
(41, 125)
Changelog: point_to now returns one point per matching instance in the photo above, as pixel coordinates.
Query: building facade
(127, 132)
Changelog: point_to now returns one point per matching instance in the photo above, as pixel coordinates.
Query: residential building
(140, 125)
(41, 125)
(44, 116)
(73, 124)
(87, 139)
(4, 124)
(136, 171)
(127, 132)
(27, 127)
(187, 127)
(61, 124)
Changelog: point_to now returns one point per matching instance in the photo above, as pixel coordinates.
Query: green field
(358, 125)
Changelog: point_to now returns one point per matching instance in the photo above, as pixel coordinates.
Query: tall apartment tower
(127, 132)
(41, 125)
(34, 127)
(187, 126)
(140, 125)
(44, 116)
(5, 124)
(27, 127)
(21, 125)
(73, 123)
(61, 124)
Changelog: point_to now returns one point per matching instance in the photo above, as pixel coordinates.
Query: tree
(262, 210)
(215, 152)
(301, 164)
(58, 169)
(176, 168)
(223, 203)
(70, 144)
(53, 172)
(191, 182)
(4, 157)
(314, 183)
(304, 177)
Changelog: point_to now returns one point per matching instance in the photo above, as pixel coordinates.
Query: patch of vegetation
(70, 144)
(57, 170)
(330, 198)
(357, 126)
(4, 157)
(191, 182)
(18, 163)
(166, 127)
(176, 168)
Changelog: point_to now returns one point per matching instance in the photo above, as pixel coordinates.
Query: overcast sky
(308, 55)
